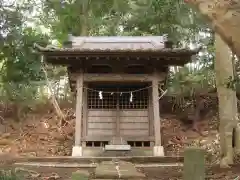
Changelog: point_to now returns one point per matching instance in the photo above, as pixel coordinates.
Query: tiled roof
(78, 50)
(123, 43)
(116, 44)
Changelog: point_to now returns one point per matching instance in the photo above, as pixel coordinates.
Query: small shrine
(117, 81)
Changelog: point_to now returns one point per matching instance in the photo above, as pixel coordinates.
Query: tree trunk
(224, 17)
(84, 17)
(54, 100)
(228, 113)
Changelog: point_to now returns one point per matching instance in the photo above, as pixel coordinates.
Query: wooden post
(156, 113)
(117, 134)
(150, 115)
(85, 113)
(78, 123)
(194, 164)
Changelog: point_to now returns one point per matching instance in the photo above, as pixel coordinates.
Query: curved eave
(78, 51)
(65, 56)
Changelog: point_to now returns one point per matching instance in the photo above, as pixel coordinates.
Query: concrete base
(111, 147)
(158, 151)
(77, 151)
(100, 151)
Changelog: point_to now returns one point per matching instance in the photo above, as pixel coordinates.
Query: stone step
(116, 153)
(117, 170)
(156, 165)
(88, 160)
(91, 165)
(56, 165)
(105, 170)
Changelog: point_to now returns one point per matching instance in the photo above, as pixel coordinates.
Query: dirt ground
(40, 135)
(176, 173)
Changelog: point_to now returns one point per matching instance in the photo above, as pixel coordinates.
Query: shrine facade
(117, 82)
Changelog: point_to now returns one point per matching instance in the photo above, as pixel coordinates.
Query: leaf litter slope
(39, 135)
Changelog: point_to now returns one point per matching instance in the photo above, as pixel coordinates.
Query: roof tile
(117, 44)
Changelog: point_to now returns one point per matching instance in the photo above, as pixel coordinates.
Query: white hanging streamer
(164, 92)
(100, 95)
(131, 97)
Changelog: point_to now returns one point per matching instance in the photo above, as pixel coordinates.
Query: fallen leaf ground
(39, 135)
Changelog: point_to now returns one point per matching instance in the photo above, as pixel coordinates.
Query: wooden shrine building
(117, 80)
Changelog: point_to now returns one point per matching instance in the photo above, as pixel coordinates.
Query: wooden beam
(156, 113)
(76, 61)
(79, 102)
(126, 138)
(118, 77)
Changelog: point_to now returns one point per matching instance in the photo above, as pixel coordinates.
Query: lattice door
(118, 97)
(120, 106)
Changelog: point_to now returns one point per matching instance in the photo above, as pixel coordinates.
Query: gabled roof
(118, 43)
(147, 47)
(115, 44)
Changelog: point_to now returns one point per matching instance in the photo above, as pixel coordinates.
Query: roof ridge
(118, 39)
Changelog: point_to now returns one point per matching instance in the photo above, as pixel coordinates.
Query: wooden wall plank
(134, 126)
(134, 113)
(101, 113)
(101, 125)
(101, 119)
(100, 132)
(132, 123)
(134, 120)
(129, 132)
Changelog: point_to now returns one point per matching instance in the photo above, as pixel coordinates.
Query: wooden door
(116, 114)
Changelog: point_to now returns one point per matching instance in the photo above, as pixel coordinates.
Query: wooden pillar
(79, 102)
(117, 134)
(85, 114)
(150, 116)
(156, 113)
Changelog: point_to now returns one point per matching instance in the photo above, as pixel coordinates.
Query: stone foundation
(158, 151)
(100, 152)
(117, 147)
(77, 151)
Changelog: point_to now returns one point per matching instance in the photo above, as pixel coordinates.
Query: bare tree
(224, 17)
(228, 113)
